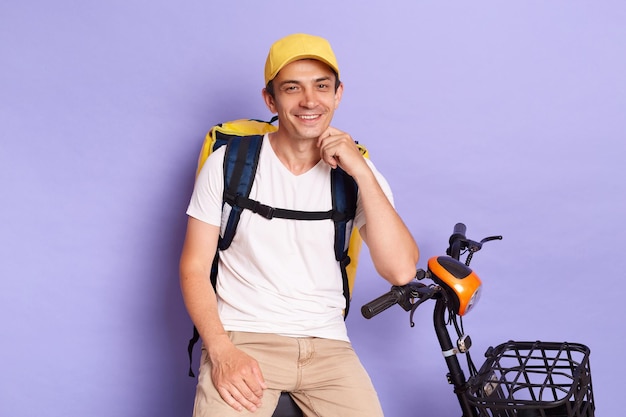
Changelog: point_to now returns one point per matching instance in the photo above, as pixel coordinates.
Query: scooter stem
(457, 377)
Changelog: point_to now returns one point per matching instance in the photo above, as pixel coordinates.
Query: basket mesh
(533, 379)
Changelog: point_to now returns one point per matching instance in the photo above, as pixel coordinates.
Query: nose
(308, 99)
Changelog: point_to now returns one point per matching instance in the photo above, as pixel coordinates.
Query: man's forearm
(390, 243)
(201, 303)
(195, 279)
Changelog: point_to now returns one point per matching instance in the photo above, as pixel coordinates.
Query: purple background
(508, 116)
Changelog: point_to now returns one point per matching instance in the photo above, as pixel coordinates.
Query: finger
(329, 156)
(323, 136)
(333, 131)
(330, 132)
(240, 399)
(230, 399)
(252, 386)
(259, 379)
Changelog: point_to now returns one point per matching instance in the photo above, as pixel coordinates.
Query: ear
(338, 95)
(269, 101)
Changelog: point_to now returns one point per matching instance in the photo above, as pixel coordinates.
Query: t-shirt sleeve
(359, 219)
(206, 199)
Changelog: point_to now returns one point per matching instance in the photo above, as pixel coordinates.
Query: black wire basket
(533, 379)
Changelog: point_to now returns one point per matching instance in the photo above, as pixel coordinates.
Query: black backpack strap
(192, 342)
(344, 193)
(271, 212)
(240, 162)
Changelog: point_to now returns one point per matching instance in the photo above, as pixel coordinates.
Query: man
(276, 323)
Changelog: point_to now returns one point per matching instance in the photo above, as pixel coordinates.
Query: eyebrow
(317, 80)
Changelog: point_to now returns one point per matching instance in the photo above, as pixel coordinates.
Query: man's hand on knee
(238, 378)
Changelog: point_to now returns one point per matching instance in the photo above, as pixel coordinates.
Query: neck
(298, 156)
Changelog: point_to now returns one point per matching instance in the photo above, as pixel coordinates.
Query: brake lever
(490, 238)
(422, 293)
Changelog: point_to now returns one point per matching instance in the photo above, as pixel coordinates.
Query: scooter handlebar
(382, 303)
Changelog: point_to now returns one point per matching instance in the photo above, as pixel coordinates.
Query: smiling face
(304, 98)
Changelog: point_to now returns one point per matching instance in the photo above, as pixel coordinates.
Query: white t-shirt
(278, 276)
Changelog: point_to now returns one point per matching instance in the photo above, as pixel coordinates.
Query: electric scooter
(523, 379)
(517, 379)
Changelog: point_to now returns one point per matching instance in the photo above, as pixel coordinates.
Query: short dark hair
(270, 85)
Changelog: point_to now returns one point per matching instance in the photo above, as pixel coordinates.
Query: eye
(290, 88)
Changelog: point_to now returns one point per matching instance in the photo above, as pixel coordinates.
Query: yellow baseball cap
(298, 46)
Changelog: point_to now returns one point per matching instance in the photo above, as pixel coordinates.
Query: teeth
(308, 117)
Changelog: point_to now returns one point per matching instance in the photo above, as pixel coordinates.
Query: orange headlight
(461, 284)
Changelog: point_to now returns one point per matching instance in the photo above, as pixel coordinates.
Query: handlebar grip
(381, 303)
(459, 230)
(458, 234)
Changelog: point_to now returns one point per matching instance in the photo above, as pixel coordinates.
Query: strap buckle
(263, 210)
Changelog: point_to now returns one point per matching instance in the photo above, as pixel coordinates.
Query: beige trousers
(325, 378)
